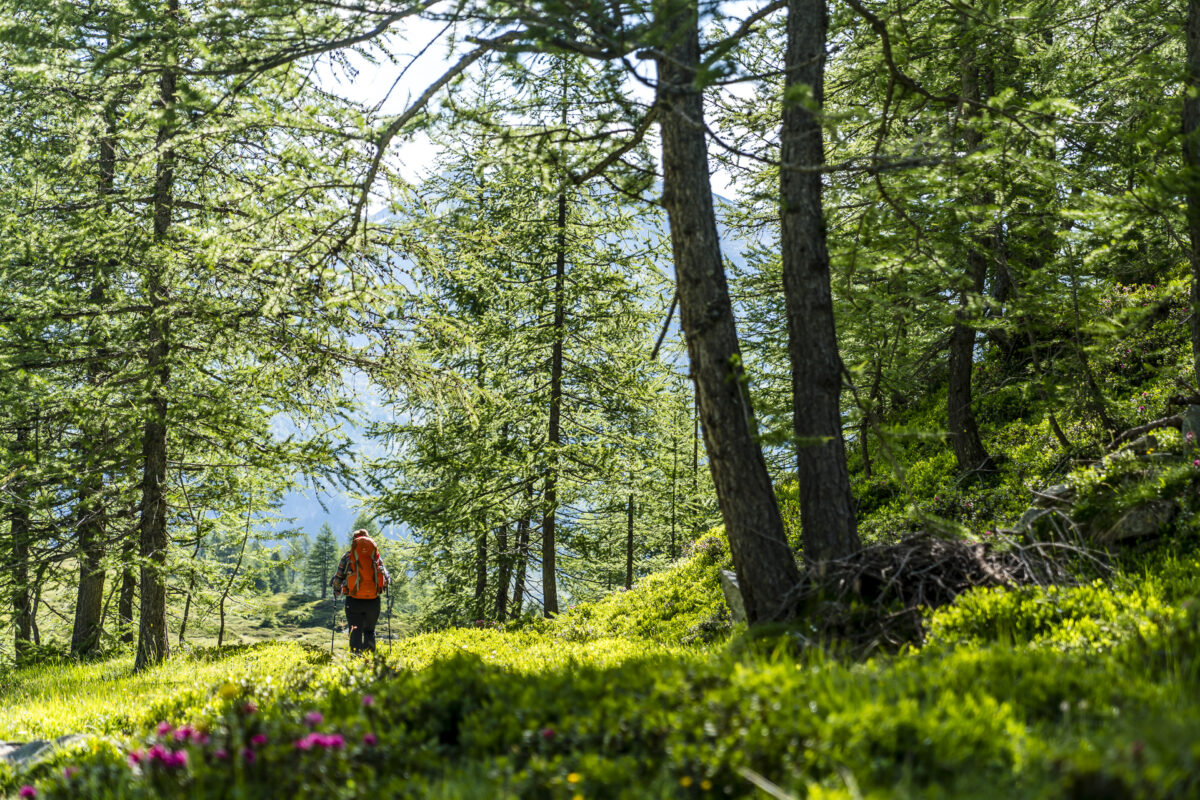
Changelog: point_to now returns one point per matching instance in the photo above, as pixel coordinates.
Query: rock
(1191, 422)
(1058, 495)
(733, 595)
(25, 754)
(1141, 446)
(1145, 520)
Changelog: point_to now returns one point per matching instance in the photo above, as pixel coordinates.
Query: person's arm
(387, 579)
(339, 577)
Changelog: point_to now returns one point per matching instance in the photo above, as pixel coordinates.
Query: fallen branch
(1174, 421)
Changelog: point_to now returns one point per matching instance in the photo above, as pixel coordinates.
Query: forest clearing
(790, 399)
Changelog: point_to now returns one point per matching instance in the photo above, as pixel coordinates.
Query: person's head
(360, 532)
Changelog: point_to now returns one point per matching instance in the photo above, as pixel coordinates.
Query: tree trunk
(826, 503)
(550, 500)
(481, 555)
(522, 564)
(237, 568)
(90, 524)
(629, 545)
(1191, 160)
(674, 478)
(504, 572)
(152, 629)
(765, 566)
(964, 433)
(128, 587)
(22, 604)
(90, 521)
(89, 599)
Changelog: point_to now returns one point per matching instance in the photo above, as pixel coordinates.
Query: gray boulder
(25, 754)
(733, 595)
(1145, 520)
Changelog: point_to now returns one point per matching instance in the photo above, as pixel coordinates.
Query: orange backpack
(363, 582)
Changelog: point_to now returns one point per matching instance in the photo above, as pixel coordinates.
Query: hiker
(361, 576)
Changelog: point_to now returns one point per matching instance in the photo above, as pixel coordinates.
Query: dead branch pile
(877, 597)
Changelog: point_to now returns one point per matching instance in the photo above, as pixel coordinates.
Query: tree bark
(152, 629)
(481, 555)
(764, 563)
(22, 603)
(969, 451)
(629, 545)
(522, 565)
(554, 437)
(90, 522)
(503, 572)
(1191, 160)
(128, 588)
(89, 598)
(827, 518)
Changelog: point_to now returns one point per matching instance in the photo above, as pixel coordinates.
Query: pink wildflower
(221, 754)
(136, 757)
(333, 741)
(370, 739)
(27, 791)
(1141, 408)
(250, 708)
(314, 718)
(248, 755)
(165, 728)
(185, 733)
(258, 739)
(368, 700)
(547, 733)
(70, 772)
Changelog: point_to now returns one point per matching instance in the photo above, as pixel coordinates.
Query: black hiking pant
(362, 616)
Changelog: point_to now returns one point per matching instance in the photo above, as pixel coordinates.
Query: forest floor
(1082, 691)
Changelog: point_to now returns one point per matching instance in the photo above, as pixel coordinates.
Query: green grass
(1079, 692)
(108, 697)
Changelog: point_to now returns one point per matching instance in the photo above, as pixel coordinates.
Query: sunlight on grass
(46, 701)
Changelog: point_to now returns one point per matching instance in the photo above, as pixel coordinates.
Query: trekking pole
(333, 628)
(388, 591)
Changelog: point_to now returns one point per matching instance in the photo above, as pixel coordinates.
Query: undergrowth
(1071, 691)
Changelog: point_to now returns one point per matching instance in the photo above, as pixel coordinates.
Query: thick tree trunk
(503, 572)
(826, 503)
(968, 446)
(1191, 160)
(765, 566)
(554, 437)
(89, 599)
(152, 628)
(22, 603)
